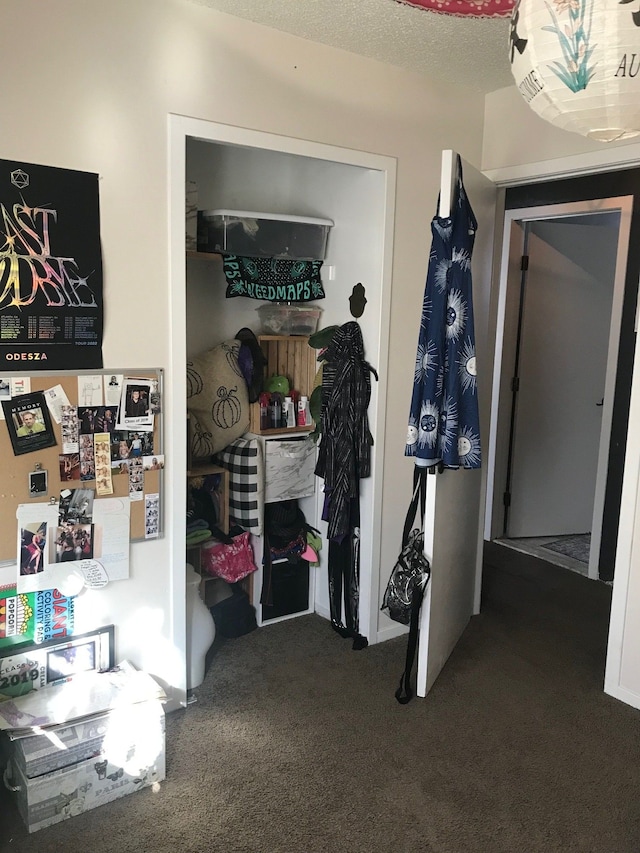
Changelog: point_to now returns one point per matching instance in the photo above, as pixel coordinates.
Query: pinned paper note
(95, 576)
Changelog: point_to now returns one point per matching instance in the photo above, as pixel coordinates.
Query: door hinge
(524, 263)
(515, 384)
(506, 499)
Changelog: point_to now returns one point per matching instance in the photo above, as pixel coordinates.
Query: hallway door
(561, 374)
(556, 362)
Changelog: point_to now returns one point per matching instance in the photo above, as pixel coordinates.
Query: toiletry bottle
(289, 412)
(275, 412)
(304, 416)
(264, 410)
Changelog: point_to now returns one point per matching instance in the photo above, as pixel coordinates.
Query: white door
(562, 364)
(453, 518)
(572, 311)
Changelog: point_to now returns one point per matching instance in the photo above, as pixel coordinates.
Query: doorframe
(623, 204)
(180, 128)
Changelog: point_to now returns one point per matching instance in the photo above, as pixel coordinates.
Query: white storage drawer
(289, 465)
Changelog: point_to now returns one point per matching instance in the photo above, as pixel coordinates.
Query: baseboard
(391, 633)
(623, 695)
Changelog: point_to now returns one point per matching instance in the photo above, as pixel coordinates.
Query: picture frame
(28, 422)
(37, 666)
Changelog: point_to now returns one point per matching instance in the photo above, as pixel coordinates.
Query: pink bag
(229, 562)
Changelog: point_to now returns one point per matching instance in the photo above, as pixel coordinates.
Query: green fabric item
(322, 338)
(316, 543)
(198, 536)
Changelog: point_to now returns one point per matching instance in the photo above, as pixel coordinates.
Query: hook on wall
(357, 300)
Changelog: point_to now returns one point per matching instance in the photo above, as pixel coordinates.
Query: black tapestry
(273, 279)
(51, 314)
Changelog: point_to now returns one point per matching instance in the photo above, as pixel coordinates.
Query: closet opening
(238, 170)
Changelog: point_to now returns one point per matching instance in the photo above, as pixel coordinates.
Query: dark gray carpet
(296, 743)
(576, 546)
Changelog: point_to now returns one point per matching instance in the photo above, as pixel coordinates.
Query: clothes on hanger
(443, 419)
(344, 458)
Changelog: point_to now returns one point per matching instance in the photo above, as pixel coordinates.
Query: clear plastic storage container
(279, 318)
(266, 235)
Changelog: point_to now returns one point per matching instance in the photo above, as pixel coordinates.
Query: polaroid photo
(37, 484)
(135, 405)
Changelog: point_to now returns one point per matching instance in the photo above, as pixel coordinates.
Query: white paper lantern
(577, 63)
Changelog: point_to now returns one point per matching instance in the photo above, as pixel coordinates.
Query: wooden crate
(289, 356)
(202, 470)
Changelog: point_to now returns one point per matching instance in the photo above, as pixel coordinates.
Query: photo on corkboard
(29, 423)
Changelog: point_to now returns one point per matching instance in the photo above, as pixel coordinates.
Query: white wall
(92, 87)
(519, 145)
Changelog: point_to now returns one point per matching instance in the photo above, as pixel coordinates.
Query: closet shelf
(205, 256)
(290, 356)
(204, 469)
(284, 432)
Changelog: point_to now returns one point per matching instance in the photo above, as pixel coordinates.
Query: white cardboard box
(132, 758)
(289, 465)
(34, 756)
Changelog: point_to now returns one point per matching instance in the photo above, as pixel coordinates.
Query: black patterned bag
(409, 577)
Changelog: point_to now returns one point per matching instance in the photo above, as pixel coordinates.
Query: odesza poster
(50, 269)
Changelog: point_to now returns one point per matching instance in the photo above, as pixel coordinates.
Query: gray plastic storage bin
(267, 235)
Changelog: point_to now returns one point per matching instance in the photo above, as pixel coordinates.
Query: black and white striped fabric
(344, 457)
(243, 460)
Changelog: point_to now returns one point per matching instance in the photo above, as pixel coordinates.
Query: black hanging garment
(344, 458)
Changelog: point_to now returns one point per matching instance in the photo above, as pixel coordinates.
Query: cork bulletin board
(15, 471)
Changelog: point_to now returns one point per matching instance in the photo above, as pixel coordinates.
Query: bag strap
(404, 693)
(419, 495)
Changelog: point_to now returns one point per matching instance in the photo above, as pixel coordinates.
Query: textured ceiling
(469, 51)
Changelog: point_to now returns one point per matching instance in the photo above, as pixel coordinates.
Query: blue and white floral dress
(443, 420)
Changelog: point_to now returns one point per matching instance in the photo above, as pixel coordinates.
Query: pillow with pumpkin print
(218, 400)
